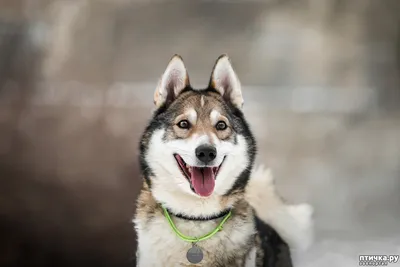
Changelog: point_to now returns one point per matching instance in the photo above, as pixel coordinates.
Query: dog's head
(198, 142)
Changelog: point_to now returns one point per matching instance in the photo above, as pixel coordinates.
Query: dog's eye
(221, 126)
(184, 124)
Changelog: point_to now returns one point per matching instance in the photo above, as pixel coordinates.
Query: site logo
(377, 260)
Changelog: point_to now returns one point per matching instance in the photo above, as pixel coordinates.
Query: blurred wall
(321, 86)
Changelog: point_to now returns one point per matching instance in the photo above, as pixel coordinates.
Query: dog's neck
(201, 218)
(189, 206)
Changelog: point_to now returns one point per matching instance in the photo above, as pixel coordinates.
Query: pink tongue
(203, 181)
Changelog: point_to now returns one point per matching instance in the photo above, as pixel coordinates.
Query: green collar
(195, 239)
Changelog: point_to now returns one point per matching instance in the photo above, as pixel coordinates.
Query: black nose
(206, 153)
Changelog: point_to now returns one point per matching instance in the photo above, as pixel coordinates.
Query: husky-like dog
(201, 204)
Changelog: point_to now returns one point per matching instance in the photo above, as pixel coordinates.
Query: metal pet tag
(194, 254)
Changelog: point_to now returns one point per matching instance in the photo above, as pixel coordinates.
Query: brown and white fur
(261, 225)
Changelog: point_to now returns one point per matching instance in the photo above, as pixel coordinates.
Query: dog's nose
(206, 153)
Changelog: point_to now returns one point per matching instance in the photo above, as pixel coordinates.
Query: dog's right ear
(225, 81)
(172, 82)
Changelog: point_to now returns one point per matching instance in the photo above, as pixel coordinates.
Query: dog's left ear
(225, 81)
(172, 82)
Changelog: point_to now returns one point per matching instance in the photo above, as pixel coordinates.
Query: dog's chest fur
(160, 246)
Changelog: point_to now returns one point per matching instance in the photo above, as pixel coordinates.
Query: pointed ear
(225, 81)
(172, 82)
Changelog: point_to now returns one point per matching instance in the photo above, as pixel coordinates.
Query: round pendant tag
(194, 255)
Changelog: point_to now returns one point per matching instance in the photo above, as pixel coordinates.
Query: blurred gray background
(321, 81)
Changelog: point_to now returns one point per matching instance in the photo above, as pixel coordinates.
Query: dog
(201, 203)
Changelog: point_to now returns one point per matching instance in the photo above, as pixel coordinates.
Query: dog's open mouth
(201, 179)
